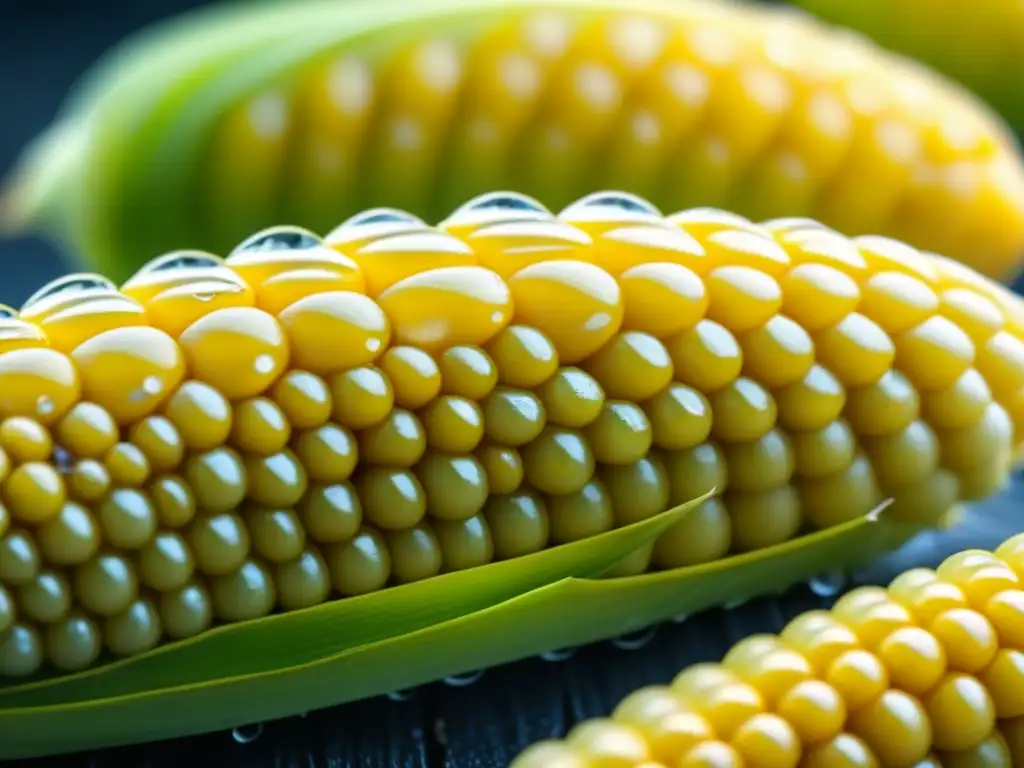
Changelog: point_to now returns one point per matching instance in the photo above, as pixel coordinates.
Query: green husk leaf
(568, 612)
(300, 637)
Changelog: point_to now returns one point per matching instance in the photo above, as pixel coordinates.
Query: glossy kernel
(576, 305)
(201, 414)
(856, 350)
(448, 306)
(87, 431)
(632, 366)
(240, 351)
(129, 371)
(335, 331)
(523, 355)
(706, 357)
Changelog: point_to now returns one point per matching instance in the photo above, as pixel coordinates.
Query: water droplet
(264, 364)
(464, 679)
(280, 239)
(62, 459)
(679, 618)
(78, 283)
(246, 734)
(152, 385)
(382, 216)
(622, 200)
(504, 201)
(828, 584)
(403, 695)
(634, 641)
(562, 654)
(440, 732)
(204, 296)
(182, 260)
(372, 345)
(737, 603)
(44, 405)
(496, 317)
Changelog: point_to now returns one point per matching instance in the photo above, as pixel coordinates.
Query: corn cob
(312, 112)
(979, 44)
(221, 438)
(927, 672)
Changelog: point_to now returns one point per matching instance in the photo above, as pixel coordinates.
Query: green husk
(564, 612)
(300, 637)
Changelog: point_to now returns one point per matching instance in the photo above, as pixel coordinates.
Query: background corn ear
(226, 122)
(978, 44)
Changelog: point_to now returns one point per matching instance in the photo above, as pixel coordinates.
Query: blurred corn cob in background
(980, 44)
(927, 673)
(229, 121)
(220, 439)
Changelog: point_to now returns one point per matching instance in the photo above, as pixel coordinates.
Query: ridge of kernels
(281, 447)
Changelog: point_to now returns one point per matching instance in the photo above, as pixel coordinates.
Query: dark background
(44, 46)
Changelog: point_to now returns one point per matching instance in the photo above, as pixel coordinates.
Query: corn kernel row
(755, 110)
(218, 439)
(927, 672)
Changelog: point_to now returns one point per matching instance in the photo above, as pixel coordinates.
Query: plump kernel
(453, 424)
(468, 372)
(632, 366)
(523, 355)
(304, 399)
(25, 440)
(158, 440)
(127, 465)
(201, 414)
(362, 397)
(435, 415)
(334, 331)
(856, 350)
(519, 524)
(414, 376)
(818, 296)
(240, 351)
(87, 430)
(34, 492)
(503, 467)
(329, 453)
(703, 536)
(707, 356)
(259, 426)
(129, 371)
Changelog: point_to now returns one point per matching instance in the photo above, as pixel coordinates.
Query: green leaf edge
(571, 611)
(269, 644)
